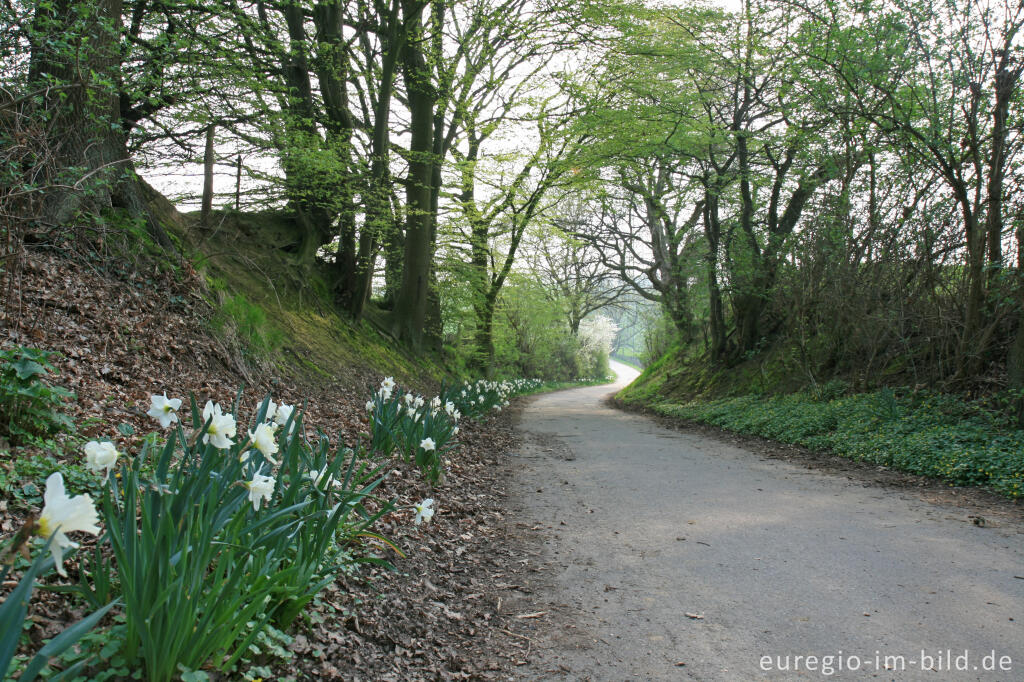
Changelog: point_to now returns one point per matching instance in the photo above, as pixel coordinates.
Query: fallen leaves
(430, 615)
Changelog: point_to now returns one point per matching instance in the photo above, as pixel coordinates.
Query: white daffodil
(164, 410)
(62, 515)
(481, 400)
(384, 393)
(428, 444)
(388, 383)
(409, 398)
(318, 478)
(260, 488)
(435, 403)
(100, 456)
(369, 406)
(271, 410)
(449, 407)
(412, 414)
(418, 403)
(424, 511)
(497, 408)
(283, 413)
(456, 415)
(265, 440)
(221, 428)
(210, 408)
(455, 431)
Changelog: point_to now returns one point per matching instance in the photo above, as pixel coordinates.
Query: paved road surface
(665, 548)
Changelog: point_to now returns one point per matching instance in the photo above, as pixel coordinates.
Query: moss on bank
(281, 311)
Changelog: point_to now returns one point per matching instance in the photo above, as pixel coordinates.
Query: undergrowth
(931, 434)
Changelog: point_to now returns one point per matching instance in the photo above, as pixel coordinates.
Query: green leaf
(26, 369)
(58, 644)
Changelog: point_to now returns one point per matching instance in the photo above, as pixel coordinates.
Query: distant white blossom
(283, 413)
(260, 488)
(221, 427)
(164, 410)
(100, 456)
(428, 444)
(317, 476)
(424, 511)
(265, 440)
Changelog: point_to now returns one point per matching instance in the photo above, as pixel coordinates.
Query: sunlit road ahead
(676, 556)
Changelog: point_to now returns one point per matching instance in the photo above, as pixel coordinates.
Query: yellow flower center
(43, 527)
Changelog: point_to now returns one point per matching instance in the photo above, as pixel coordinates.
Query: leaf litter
(434, 615)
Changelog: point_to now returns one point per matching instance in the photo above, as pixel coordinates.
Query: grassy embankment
(283, 312)
(958, 441)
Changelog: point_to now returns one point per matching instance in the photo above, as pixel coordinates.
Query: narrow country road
(669, 555)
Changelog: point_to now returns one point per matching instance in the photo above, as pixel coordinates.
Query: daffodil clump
(221, 530)
(479, 398)
(421, 431)
(424, 432)
(221, 527)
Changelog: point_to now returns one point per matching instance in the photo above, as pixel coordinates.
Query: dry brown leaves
(437, 615)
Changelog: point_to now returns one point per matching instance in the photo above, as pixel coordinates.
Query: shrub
(30, 407)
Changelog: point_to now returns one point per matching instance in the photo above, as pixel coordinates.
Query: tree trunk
(379, 216)
(308, 200)
(485, 337)
(410, 310)
(1005, 80)
(85, 130)
(716, 316)
(970, 353)
(1015, 359)
(394, 250)
(208, 161)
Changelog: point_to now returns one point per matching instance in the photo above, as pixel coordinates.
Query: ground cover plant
(925, 433)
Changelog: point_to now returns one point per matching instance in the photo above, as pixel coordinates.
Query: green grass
(283, 312)
(930, 434)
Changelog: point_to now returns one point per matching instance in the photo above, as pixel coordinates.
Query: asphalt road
(668, 555)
